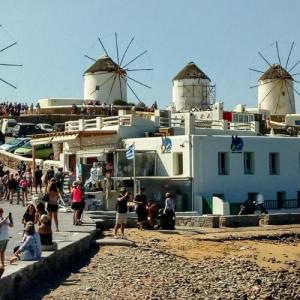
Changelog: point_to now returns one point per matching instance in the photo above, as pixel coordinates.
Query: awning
(95, 152)
(53, 139)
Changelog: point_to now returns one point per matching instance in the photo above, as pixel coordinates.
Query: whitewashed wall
(236, 185)
(105, 81)
(277, 96)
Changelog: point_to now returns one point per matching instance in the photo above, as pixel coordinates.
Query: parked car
(8, 126)
(45, 126)
(25, 129)
(14, 144)
(59, 127)
(44, 151)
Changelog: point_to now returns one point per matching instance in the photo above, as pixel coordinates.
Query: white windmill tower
(192, 89)
(107, 80)
(276, 87)
(101, 82)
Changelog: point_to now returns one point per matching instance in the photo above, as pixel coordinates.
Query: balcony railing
(217, 124)
(98, 123)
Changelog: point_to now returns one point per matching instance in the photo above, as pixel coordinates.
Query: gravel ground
(152, 272)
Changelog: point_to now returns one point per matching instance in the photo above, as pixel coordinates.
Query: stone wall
(11, 160)
(280, 219)
(239, 221)
(198, 221)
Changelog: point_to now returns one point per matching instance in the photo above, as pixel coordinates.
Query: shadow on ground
(57, 279)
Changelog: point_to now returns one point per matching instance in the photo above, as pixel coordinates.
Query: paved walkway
(16, 232)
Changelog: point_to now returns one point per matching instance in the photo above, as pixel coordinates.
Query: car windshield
(14, 142)
(27, 145)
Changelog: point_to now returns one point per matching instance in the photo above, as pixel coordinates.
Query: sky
(222, 37)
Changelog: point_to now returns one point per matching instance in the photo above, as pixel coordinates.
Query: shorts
(52, 207)
(38, 182)
(24, 189)
(3, 245)
(76, 205)
(121, 218)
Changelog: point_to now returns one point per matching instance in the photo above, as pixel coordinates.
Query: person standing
(59, 177)
(121, 217)
(260, 203)
(23, 185)
(28, 176)
(76, 195)
(170, 211)
(141, 208)
(72, 178)
(21, 168)
(49, 175)
(5, 223)
(52, 206)
(11, 185)
(38, 174)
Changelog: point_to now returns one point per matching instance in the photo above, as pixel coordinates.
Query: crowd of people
(149, 214)
(40, 215)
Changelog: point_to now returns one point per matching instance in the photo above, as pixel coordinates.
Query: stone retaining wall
(239, 221)
(198, 221)
(11, 160)
(280, 219)
(30, 274)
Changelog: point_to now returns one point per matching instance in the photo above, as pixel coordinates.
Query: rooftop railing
(98, 123)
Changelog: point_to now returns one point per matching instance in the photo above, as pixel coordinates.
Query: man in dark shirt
(121, 217)
(38, 174)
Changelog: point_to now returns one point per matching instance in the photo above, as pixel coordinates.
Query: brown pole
(33, 165)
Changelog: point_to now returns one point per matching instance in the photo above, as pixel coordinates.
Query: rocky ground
(181, 266)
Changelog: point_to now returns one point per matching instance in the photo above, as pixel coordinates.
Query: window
(178, 163)
(223, 163)
(249, 163)
(274, 163)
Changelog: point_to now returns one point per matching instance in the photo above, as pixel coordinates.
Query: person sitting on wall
(30, 247)
(45, 233)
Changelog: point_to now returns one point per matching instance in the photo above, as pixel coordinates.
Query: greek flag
(130, 152)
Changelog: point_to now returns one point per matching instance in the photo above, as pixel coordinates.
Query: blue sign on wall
(166, 145)
(236, 144)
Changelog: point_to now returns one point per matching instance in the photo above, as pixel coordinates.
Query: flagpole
(134, 182)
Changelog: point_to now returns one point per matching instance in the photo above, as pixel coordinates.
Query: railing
(288, 203)
(98, 123)
(216, 124)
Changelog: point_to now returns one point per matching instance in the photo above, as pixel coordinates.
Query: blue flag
(130, 152)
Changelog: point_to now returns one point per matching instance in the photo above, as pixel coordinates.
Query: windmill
(7, 67)
(276, 85)
(107, 79)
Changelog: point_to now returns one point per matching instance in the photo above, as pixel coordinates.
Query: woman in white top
(5, 222)
(170, 211)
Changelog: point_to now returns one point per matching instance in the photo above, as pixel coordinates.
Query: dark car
(58, 127)
(26, 129)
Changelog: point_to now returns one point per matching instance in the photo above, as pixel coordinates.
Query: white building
(105, 81)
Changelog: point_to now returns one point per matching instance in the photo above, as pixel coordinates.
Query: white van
(8, 125)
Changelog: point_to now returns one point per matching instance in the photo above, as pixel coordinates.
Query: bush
(119, 102)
